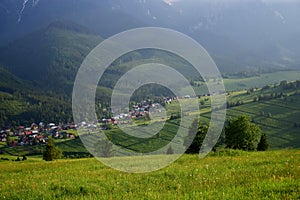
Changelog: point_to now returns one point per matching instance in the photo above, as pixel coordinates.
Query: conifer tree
(263, 144)
(51, 152)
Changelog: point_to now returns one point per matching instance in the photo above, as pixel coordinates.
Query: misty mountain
(19, 18)
(238, 34)
(50, 57)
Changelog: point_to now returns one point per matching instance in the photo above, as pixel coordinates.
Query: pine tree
(263, 144)
(104, 148)
(196, 136)
(170, 150)
(51, 152)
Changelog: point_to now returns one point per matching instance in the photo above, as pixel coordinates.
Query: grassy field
(277, 117)
(235, 83)
(229, 175)
(276, 120)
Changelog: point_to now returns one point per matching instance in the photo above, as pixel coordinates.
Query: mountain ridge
(54, 52)
(235, 30)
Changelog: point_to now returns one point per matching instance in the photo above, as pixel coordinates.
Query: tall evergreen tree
(51, 152)
(263, 144)
(198, 139)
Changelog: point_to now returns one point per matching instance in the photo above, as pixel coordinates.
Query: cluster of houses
(35, 134)
(39, 133)
(137, 111)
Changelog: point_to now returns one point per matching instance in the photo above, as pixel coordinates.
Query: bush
(241, 134)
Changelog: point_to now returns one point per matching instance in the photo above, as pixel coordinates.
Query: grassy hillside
(274, 109)
(278, 119)
(277, 116)
(233, 175)
(234, 83)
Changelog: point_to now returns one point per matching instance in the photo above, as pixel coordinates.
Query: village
(38, 133)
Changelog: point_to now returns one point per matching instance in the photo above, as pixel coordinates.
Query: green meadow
(238, 83)
(223, 175)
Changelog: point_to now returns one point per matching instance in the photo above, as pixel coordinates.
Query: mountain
(238, 34)
(40, 68)
(19, 17)
(9, 83)
(244, 31)
(23, 103)
(51, 56)
(37, 73)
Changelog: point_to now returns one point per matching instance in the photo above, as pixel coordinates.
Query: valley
(165, 143)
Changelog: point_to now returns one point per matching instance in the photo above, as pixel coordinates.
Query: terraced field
(278, 118)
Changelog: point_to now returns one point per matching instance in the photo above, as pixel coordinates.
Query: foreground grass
(257, 175)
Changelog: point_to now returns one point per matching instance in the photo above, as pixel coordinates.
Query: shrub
(241, 134)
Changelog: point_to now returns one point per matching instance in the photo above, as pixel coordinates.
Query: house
(28, 133)
(34, 126)
(73, 126)
(51, 124)
(39, 137)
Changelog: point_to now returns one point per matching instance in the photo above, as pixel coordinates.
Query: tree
(104, 148)
(199, 138)
(170, 150)
(263, 144)
(240, 133)
(24, 158)
(51, 152)
(201, 134)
